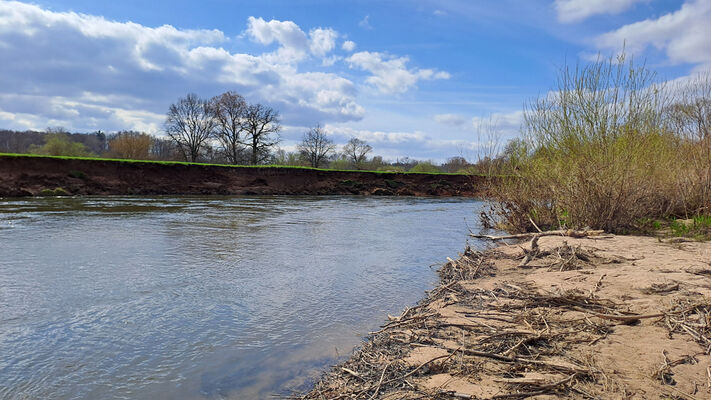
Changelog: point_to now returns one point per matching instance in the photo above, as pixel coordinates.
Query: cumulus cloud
(87, 73)
(322, 41)
(87, 69)
(390, 74)
(503, 124)
(577, 10)
(348, 46)
(294, 44)
(683, 35)
(376, 137)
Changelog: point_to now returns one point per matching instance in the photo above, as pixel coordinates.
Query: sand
(610, 317)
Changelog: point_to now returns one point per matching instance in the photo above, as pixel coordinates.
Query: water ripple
(219, 297)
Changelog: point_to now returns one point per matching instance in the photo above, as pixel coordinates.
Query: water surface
(205, 297)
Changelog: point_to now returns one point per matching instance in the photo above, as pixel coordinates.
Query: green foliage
(157, 162)
(391, 168)
(58, 144)
(341, 165)
(596, 154)
(53, 192)
(698, 227)
(425, 167)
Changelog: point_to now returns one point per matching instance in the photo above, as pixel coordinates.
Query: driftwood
(562, 232)
(517, 334)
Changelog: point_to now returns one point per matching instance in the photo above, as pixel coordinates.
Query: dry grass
(610, 148)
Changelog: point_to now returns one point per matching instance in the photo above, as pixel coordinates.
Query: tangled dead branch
(507, 340)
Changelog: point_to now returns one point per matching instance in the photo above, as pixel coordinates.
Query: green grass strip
(121, 160)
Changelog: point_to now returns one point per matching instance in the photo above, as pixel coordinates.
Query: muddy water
(185, 298)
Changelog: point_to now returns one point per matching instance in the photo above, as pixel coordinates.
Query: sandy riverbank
(599, 317)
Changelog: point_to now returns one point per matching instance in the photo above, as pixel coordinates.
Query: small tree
(455, 164)
(59, 144)
(228, 109)
(190, 124)
(356, 151)
(260, 125)
(316, 146)
(164, 149)
(425, 167)
(131, 145)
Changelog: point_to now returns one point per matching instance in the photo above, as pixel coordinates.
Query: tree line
(224, 129)
(316, 149)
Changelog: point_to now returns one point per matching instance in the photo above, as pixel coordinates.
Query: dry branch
(562, 232)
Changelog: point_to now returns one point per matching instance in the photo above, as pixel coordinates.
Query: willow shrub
(597, 154)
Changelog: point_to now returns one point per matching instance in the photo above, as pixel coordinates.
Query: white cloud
(376, 137)
(365, 23)
(683, 34)
(322, 41)
(450, 119)
(578, 10)
(87, 72)
(348, 46)
(294, 45)
(329, 61)
(439, 13)
(390, 74)
(504, 124)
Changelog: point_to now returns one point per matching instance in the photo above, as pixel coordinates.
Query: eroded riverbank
(31, 176)
(597, 317)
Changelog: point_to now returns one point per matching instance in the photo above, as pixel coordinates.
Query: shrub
(53, 192)
(59, 144)
(597, 152)
(425, 167)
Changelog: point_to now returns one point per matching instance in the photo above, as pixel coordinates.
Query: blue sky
(413, 78)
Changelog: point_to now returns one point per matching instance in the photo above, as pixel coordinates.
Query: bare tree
(356, 151)
(130, 145)
(228, 109)
(316, 146)
(190, 124)
(260, 124)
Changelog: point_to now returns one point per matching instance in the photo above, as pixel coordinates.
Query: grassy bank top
(121, 160)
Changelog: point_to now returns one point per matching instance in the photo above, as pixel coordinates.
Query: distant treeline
(142, 146)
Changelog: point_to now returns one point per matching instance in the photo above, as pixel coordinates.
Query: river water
(206, 297)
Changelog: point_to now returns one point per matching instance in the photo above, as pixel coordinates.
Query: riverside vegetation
(576, 312)
(610, 147)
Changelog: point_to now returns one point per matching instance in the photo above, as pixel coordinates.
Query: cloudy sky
(413, 78)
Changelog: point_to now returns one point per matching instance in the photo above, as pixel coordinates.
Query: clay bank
(31, 176)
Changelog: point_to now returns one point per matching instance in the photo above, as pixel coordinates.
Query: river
(206, 297)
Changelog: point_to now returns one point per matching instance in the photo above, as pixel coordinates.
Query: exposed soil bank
(28, 176)
(607, 317)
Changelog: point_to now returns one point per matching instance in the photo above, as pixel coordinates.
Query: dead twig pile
(472, 264)
(504, 340)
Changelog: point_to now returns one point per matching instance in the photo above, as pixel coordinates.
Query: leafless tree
(228, 110)
(690, 113)
(190, 125)
(316, 146)
(356, 151)
(260, 125)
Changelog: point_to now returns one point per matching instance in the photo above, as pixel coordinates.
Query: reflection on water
(217, 297)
